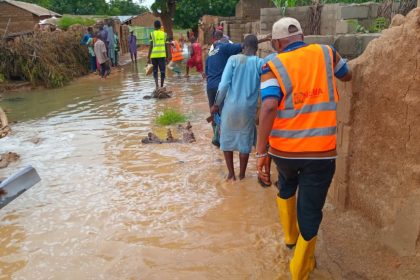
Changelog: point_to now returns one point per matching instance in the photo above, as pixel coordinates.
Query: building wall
(20, 20)
(145, 20)
(378, 170)
(335, 18)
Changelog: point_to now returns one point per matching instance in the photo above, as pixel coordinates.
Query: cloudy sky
(148, 2)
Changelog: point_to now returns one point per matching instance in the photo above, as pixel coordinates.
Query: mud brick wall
(378, 169)
(20, 20)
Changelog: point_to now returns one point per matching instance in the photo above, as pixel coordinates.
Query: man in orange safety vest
(298, 122)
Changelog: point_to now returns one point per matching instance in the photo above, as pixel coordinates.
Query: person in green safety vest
(158, 53)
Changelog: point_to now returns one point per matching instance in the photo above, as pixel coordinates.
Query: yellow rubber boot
(303, 261)
(288, 219)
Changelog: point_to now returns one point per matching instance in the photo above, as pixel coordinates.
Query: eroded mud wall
(378, 172)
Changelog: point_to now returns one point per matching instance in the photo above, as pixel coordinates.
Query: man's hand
(263, 170)
(148, 61)
(214, 109)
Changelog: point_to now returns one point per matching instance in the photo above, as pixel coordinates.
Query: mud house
(146, 19)
(21, 17)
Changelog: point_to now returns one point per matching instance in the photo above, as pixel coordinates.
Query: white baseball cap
(282, 26)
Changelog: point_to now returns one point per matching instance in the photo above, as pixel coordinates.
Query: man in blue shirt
(215, 64)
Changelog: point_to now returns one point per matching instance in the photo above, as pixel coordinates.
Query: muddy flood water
(109, 207)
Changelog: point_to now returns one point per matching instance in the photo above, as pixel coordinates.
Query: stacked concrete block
(329, 18)
(268, 16)
(250, 9)
(352, 45)
(319, 39)
(301, 14)
(344, 27)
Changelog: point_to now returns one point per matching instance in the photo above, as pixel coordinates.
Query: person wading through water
(239, 90)
(298, 120)
(159, 53)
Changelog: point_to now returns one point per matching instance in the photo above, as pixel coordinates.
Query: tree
(93, 7)
(190, 11)
(165, 9)
(125, 7)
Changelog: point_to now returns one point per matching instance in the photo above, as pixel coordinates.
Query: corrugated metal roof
(124, 19)
(32, 8)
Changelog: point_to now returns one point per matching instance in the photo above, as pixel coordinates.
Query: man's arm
(342, 70)
(150, 49)
(224, 85)
(267, 115)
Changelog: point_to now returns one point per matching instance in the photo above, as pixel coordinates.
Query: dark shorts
(311, 178)
(159, 64)
(211, 96)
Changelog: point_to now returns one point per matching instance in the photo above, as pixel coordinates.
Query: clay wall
(20, 19)
(378, 169)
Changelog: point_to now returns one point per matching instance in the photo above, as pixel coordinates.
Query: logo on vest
(299, 97)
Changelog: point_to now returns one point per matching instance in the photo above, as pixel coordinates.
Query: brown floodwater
(109, 207)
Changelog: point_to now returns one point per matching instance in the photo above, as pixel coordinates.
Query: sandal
(264, 184)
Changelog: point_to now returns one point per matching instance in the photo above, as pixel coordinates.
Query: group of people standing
(164, 51)
(103, 47)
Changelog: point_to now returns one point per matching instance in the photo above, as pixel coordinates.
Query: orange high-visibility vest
(176, 52)
(306, 117)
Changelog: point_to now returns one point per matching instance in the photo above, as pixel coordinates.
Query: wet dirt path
(109, 207)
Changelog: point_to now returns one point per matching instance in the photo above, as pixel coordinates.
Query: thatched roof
(32, 8)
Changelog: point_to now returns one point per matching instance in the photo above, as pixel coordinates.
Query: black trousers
(159, 64)
(311, 180)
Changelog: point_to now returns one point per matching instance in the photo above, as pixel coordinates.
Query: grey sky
(148, 2)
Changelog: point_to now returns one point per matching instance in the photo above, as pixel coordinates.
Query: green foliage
(170, 116)
(188, 12)
(357, 27)
(66, 21)
(379, 24)
(92, 7)
(284, 4)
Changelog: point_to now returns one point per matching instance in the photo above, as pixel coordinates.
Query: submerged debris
(7, 158)
(160, 93)
(151, 138)
(187, 134)
(4, 124)
(185, 131)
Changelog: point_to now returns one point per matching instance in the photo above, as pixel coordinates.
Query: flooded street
(109, 207)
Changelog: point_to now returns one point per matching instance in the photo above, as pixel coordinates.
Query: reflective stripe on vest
(306, 117)
(159, 40)
(176, 52)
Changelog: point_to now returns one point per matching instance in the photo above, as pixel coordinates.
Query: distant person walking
(158, 53)
(102, 55)
(90, 45)
(298, 120)
(132, 45)
(196, 59)
(111, 42)
(177, 56)
(239, 90)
